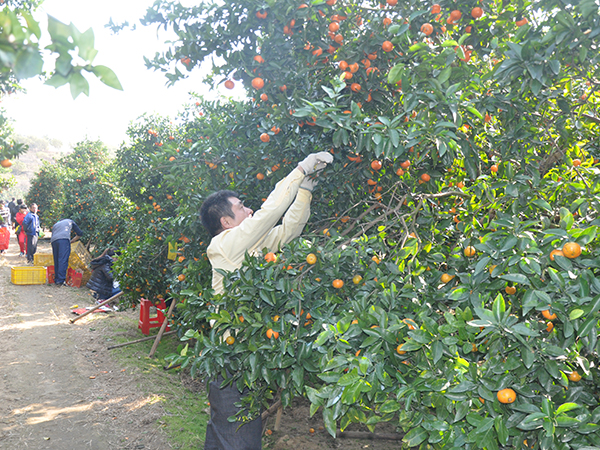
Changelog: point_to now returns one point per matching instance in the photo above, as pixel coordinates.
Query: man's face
(240, 212)
(34, 209)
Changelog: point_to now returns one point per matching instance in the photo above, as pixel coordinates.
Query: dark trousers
(61, 250)
(31, 247)
(220, 433)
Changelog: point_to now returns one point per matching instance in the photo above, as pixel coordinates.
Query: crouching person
(102, 281)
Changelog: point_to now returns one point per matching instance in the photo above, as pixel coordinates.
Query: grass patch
(186, 410)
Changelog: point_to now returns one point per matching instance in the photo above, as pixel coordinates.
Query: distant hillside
(25, 167)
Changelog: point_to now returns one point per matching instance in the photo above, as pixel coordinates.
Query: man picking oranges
(235, 230)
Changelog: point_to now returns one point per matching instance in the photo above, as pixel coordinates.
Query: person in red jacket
(21, 236)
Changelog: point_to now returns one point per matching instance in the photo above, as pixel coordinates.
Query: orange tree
(465, 145)
(81, 186)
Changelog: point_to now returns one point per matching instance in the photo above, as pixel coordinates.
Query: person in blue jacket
(61, 247)
(31, 225)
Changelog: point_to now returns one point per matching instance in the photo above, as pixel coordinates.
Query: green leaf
(79, 85)
(498, 307)
(28, 63)
(501, 430)
(395, 74)
(450, 43)
(330, 424)
(515, 278)
(542, 204)
(576, 314)
(415, 436)
(107, 76)
(56, 81)
(565, 407)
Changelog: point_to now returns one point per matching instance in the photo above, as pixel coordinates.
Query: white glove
(309, 183)
(315, 162)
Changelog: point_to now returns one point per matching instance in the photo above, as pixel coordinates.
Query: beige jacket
(227, 250)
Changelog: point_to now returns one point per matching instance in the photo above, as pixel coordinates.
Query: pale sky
(106, 113)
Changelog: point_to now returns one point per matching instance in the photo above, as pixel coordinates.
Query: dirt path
(60, 388)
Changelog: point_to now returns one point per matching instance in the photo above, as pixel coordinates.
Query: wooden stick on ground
(163, 326)
(96, 307)
(147, 338)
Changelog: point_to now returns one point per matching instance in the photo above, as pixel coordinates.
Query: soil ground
(61, 389)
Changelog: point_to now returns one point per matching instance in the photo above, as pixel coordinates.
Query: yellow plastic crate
(43, 259)
(28, 275)
(80, 258)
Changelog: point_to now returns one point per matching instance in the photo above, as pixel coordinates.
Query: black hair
(215, 206)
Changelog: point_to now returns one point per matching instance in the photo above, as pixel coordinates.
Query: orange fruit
(259, 59)
(506, 395)
(550, 316)
(376, 165)
(337, 283)
(355, 87)
(181, 277)
(426, 29)
(375, 259)
(356, 279)
(387, 22)
(264, 97)
(494, 168)
(446, 278)
(470, 251)
(522, 22)
(510, 290)
(387, 46)
(311, 258)
(455, 15)
(549, 327)
(261, 15)
(405, 164)
(392, 2)
(435, 9)
(574, 376)
(399, 350)
(230, 340)
(265, 137)
(476, 12)
(425, 177)
(334, 27)
(555, 252)
(353, 67)
(269, 432)
(258, 83)
(400, 172)
(272, 334)
(260, 176)
(576, 162)
(411, 324)
(270, 257)
(487, 118)
(571, 250)
(312, 430)
(343, 65)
